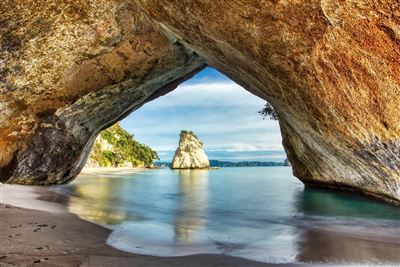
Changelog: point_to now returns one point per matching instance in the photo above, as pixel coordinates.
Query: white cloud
(246, 148)
(222, 114)
(225, 93)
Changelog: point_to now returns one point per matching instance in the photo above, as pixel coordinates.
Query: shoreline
(41, 238)
(111, 169)
(36, 229)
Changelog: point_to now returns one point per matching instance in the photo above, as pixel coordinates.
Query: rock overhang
(330, 71)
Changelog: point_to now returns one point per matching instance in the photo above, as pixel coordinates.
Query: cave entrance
(181, 212)
(220, 112)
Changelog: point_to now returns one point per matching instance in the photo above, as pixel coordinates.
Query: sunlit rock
(69, 70)
(115, 147)
(330, 70)
(190, 153)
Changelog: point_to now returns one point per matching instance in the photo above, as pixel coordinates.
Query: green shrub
(189, 132)
(268, 111)
(126, 149)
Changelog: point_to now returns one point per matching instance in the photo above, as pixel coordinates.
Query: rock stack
(190, 153)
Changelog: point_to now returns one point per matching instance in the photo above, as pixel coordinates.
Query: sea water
(263, 214)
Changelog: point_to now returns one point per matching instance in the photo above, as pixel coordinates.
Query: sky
(220, 112)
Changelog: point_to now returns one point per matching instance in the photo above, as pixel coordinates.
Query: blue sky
(221, 113)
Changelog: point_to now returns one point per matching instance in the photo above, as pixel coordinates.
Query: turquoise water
(264, 214)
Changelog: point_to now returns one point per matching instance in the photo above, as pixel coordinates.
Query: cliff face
(115, 147)
(69, 70)
(329, 68)
(190, 153)
(104, 154)
(99, 146)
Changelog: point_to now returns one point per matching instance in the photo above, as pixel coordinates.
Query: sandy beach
(36, 229)
(39, 238)
(46, 234)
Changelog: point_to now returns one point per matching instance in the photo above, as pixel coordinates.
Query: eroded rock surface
(331, 70)
(190, 153)
(70, 69)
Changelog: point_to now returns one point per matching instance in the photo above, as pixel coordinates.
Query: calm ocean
(263, 214)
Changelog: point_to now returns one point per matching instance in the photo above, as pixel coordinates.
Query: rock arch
(330, 69)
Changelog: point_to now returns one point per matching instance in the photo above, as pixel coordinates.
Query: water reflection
(192, 205)
(339, 227)
(319, 202)
(95, 203)
(256, 213)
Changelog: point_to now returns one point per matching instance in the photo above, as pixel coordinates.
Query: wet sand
(40, 238)
(44, 233)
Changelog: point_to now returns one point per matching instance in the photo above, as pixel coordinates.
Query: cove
(262, 214)
(329, 70)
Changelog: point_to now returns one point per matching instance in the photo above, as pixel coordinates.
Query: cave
(71, 70)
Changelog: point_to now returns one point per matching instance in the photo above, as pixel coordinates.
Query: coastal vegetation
(122, 149)
(189, 132)
(268, 112)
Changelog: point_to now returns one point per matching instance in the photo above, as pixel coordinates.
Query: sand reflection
(95, 203)
(190, 217)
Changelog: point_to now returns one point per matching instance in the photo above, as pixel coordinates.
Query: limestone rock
(330, 69)
(115, 147)
(190, 153)
(100, 145)
(69, 70)
(92, 163)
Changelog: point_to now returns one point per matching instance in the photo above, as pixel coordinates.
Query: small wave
(160, 239)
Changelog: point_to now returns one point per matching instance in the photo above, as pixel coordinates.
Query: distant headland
(219, 163)
(115, 147)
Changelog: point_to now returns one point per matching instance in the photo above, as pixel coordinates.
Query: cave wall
(329, 68)
(70, 69)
